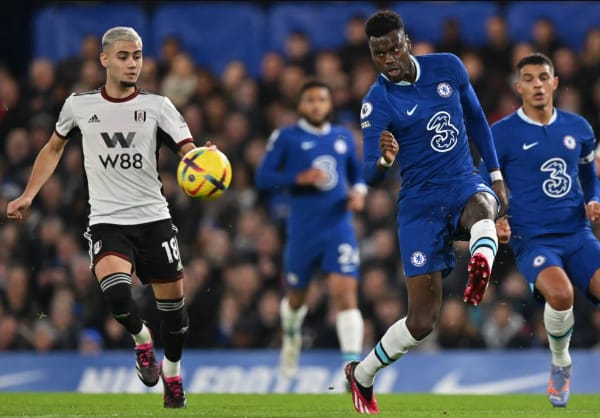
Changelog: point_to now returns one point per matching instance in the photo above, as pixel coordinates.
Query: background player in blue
(318, 163)
(423, 111)
(545, 154)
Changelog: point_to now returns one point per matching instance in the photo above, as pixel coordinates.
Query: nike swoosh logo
(527, 146)
(17, 379)
(411, 111)
(307, 145)
(451, 384)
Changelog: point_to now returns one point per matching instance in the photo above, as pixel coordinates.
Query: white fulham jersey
(120, 140)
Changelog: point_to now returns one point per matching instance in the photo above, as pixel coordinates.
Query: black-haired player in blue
(422, 111)
(318, 163)
(546, 154)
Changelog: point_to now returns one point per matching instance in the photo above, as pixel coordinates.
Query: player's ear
(104, 59)
(517, 87)
(408, 43)
(555, 83)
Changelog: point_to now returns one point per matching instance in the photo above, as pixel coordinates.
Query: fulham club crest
(139, 116)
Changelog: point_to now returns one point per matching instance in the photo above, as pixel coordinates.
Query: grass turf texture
(279, 405)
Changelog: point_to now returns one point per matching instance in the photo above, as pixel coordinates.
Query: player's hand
(500, 189)
(311, 177)
(209, 144)
(17, 207)
(388, 146)
(503, 230)
(356, 201)
(592, 211)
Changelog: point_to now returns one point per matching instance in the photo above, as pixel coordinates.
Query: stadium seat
(59, 29)
(424, 20)
(323, 22)
(213, 33)
(572, 20)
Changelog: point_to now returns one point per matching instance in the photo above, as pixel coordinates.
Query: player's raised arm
(479, 132)
(44, 166)
(379, 145)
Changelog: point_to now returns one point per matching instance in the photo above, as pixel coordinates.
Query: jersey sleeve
(590, 185)
(173, 123)
(478, 129)
(66, 122)
(271, 173)
(355, 177)
(375, 117)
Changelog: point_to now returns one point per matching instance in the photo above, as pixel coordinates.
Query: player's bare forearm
(44, 166)
(503, 230)
(500, 189)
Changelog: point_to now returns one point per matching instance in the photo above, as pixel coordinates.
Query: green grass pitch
(280, 405)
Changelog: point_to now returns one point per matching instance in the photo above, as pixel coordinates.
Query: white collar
(406, 83)
(527, 119)
(311, 129)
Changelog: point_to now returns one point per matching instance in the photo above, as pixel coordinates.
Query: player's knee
(174, 316)
(560, 298)
(116, 289)
(420, 326)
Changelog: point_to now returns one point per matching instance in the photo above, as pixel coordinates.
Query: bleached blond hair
(120, 33)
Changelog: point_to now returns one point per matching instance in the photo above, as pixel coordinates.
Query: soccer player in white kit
(130, 225)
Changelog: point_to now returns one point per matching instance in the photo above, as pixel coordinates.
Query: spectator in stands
(455, 330)
(170, 47)
(298, 50)
(39, 96)
(271, 66)
(355, 50)
(451, 40)
(68, 70)
(505, 328)
(497, 51)
(544, 37)
(180, 81)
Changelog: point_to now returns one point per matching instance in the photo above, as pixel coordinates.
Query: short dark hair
(312, 84)
(536, 58)
(382, 22)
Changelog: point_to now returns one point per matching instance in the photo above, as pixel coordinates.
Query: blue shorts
(428, 219)
(578, 254)
(334, 250)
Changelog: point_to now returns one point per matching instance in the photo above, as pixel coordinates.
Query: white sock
(171, 368)
(350, 329)
(291, 320)
(396, 341)
(484, 240)
(142, 337)
(559, 327)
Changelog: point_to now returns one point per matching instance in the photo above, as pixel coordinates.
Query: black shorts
(151, 248)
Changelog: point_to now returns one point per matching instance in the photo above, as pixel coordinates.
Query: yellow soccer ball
(204, 173)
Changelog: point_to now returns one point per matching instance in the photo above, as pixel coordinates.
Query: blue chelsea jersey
(296, 148)
(432, 119)
(543, 167)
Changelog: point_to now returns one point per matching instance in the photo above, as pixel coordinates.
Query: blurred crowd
(232, 247)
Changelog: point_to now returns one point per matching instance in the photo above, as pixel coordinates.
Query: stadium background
(233, 70)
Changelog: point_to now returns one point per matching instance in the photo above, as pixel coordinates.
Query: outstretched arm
(44, 166)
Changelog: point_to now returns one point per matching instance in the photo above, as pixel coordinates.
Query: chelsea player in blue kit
(546, 154)
(318, 163)
(422, 111)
